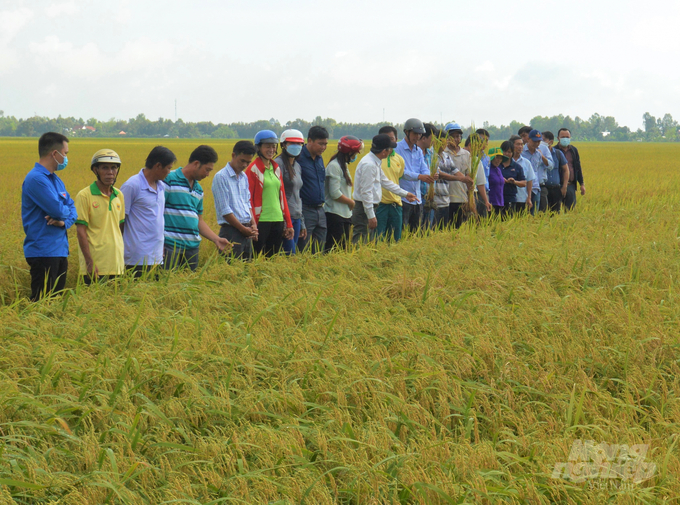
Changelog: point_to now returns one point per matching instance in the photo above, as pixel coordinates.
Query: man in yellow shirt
(389, 212)
(101, 210)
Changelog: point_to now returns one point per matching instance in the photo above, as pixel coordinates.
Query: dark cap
(535, 135)
(382, 142)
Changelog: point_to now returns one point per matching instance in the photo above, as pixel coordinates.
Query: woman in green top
(338, 191)
(267, 196)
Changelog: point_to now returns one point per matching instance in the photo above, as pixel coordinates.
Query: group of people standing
(269, 201)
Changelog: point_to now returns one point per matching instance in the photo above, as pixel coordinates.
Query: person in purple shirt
(143, 230)
(496, 180)
(47, 211)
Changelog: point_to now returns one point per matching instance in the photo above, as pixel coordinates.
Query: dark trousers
(570, 198)
(554, 198)
(498, 210)
(411, 216)
(361, 231)
(390, 220)
(535, 201)
(150, 272)
(481, 208)
(270, 239)
(543, 204)
(337, 232)
(100, 279)
(512, 208)
(441, 218)
(290, 244)
(242, 246)
(175, 257)
(456, 214)
(427, 213)
(48, 275)
(315, 222)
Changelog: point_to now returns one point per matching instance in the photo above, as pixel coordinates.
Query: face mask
(353, 159)
(565, 141)
(62, 165)
(294, 149)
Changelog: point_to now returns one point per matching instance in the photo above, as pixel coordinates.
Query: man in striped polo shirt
(184, 222)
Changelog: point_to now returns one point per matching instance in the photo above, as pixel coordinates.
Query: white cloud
(56, 9)
(12, 22)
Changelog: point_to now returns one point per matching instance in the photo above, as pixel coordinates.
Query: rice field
(470, 366)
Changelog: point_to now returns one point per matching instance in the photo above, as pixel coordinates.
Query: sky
(355, 61)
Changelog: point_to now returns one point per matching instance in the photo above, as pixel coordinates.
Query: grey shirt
(291, 186)
(335, 187)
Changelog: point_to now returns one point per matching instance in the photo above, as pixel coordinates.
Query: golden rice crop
(459, 367)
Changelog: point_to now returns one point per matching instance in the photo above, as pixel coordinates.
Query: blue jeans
(289, 244)
(535, 201)
(174, 257)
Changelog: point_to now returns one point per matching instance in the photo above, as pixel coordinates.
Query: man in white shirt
(369, 180)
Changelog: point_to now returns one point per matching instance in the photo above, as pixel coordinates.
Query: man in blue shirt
(415, 170)
(47, 211)
(558, 177)
(313, 174)
(536, 151)
(427, 209)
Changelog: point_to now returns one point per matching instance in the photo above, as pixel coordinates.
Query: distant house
(122, 133)
(85, 128)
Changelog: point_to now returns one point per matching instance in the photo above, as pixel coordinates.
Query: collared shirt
(458, 190)
(368, 180)
(555, 175)
(292, 186)
(486, 163)
(44, 194)
(337, 186)
(425, 187)
(144, 222)
(529, 175)
(393, 167)
(313, 177)
(183, 206)
(414, 165)
(496, 183)
(102, 215)
(441, 187)
(232, 195)
(516, 172)
(536, 159)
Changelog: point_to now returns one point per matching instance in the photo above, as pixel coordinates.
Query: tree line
(595, 128)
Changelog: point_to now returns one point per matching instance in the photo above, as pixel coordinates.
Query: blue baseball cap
(535, 135)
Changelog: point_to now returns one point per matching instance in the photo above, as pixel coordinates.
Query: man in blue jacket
(47, 211)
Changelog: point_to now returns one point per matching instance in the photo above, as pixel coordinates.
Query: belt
(315, 206)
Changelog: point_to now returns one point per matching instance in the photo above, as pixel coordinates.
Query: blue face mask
(294, 149)
(565, 141)
(62, 165)
(353, 159)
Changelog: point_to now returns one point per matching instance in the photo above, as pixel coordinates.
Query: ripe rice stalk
(476, 154)
(438, 146)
